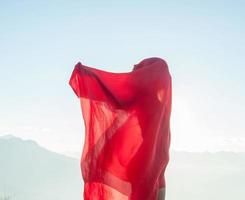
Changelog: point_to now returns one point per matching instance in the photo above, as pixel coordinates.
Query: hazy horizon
(44, 173)
(77, 154)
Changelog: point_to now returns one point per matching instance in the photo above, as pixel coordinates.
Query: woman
(127, 130)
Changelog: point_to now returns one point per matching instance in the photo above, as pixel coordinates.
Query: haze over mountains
(31, 172)
(206, 176)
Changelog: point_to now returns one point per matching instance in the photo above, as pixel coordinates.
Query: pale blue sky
(202, 42)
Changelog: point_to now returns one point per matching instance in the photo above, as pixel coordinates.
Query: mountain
(205, 176)
(31, 172)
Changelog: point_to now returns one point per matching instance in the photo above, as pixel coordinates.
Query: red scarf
(127, 129)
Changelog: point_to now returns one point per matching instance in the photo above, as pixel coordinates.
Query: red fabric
(127, 129)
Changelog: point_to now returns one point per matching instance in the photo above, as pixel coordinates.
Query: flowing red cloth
(127, 129)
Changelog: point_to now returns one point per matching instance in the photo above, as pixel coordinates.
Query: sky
(202, 42)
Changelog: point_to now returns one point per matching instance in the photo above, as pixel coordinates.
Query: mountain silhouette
(206, 176)
(31, 172)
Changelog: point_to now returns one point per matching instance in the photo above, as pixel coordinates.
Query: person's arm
(162, 186)
(161, 194)
(101, 85)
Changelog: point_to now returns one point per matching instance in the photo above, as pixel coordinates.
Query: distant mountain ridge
(31, 172)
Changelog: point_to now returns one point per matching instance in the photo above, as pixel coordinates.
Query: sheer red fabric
(127, 129)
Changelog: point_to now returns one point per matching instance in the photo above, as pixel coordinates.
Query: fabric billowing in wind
(127, 129)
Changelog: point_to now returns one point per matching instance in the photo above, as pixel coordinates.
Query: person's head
(141, 64)
(147, 62)
(137, 66)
